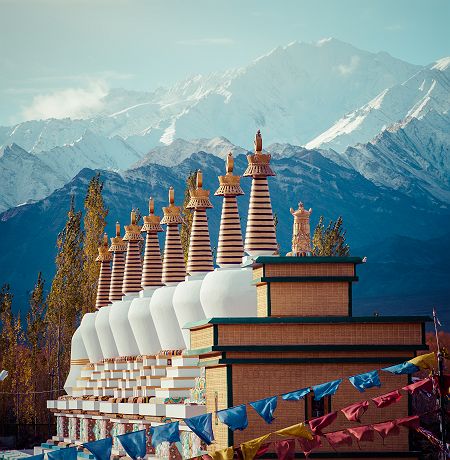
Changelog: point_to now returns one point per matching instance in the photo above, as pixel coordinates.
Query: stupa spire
(301, 233)
(133, 264)
(260, 237)
(152, 269)
(174, 269)
(104, 278)
(200, 255)
(118, 248)
(230, 248)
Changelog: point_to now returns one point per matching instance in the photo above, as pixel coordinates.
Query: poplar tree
(65, 301)
(188, 214)
(94, 225)
(330, 240)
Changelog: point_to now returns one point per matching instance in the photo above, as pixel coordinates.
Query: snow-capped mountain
(428, 89)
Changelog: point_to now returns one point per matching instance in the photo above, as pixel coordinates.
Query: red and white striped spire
(260, 236)
(200, 255)
(133, 264)
(174, 269)
(230, 249)
(104, 278)
(118, 248)
(152, 269)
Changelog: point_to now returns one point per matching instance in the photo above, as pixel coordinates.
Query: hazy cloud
(207, 41)
(70, 102)
(346, 69)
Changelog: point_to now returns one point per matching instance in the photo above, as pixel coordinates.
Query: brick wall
(201, 338)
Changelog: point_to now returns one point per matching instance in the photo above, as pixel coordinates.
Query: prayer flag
(224, 454)
(362, 433)
(134, 443)
(386, 429)
(296, 395)
(367, 380)
(355, 411)
(403, 368)
(412, 422)
(36, 457)
(67, 453)
(169, 432)
(250, 448)
(427, 361)
(339, 439)
(201, 425)
(285, 449)
(101, 449)
(319, 423)
(387, 399)
(298, 430)
(265, 408)
(325, 389)
(235, 417)
(308, 445)
(425, 385)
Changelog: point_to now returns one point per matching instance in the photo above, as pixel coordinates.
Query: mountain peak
(442, 64)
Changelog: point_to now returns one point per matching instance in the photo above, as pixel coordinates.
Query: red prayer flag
(412, 422)
(355, 411)
(319, 423)
(285, 449)
(386, 429)
(308, 445)
(425, 384)
(387, 399)
(362, 433)
(339, 439)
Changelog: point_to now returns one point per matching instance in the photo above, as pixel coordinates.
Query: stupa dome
(104, 333)
(121, 328)
(78, 359)
(90, 337)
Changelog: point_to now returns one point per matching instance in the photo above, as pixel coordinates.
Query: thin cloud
(207, 41)
(346, 69)
(70, 102)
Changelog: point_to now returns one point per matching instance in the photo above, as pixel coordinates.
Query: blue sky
(51, 48)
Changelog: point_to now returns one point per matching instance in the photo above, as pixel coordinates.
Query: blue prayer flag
(367, 380)
(265, 408)
(36, 457)
(101, 448)
(201, 425)
(403, 368)
(296, 395)
(325, 389)
(67, 453)
(134, 443)
(235, 417)
(168, 432)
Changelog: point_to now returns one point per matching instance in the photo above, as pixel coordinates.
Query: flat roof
(307, 260)
(309, 320)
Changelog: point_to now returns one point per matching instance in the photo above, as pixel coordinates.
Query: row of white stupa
(146, 322)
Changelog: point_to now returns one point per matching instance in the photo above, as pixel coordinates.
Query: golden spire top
(172, 213)
(199, 196)
(229, 184)
(258, 163)
(151, 222)
(132, 231)
(117, 243)
(103, 252)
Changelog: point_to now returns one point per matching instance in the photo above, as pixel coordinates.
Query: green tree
(65, 301)
(94, 226)
(330, 240)
(188, 214)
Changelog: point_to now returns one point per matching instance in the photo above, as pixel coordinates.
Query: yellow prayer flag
(224, 454)
(427, 361)
(299, 430)
(250, 448)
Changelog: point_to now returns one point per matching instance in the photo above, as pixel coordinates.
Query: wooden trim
(270, 260)
(304, 279)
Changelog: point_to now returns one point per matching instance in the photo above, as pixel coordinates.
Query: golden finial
(117, 228)
(103, 252)
(199, 196)
(171, 196)
(105, 239)
(229, 184)
(172, 213)
(117, 243)
(151, 222)
(258, 163)
(230, 163)
(258, 141)
(151, 206)
(199, 179)
(133, 217)
(132, 231)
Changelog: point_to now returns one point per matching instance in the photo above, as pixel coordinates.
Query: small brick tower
(133, 265)
(260, 237)
(200, 255)
(118, 248)
(104, 278)
(301, 233)
(230, 249)
(152, 269)
(174, 269)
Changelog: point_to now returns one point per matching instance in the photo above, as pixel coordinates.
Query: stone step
(149, 361)
(114, 374)
(184, 410)
(177, 382)
(107, 407)
(87, 392)
(126, 383)
(123, 393)
(152, 409)
(147, 391)
(153, 371)
(104, 391)
(131, 374)
(128, 408)
(183, 371)
(172, 392)
(90, 405)
(185, 360)
(149, 381)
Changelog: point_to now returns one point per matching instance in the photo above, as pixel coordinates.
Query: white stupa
(78, 359)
